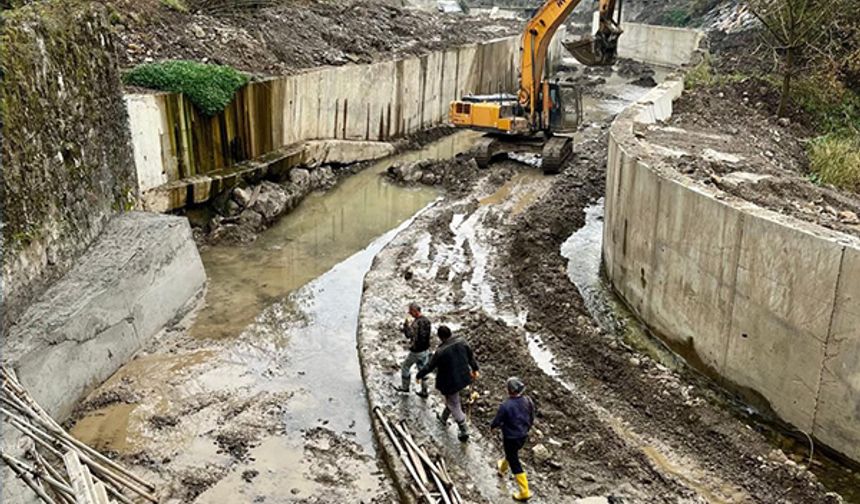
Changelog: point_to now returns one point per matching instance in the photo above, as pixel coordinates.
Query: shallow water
(280, 318)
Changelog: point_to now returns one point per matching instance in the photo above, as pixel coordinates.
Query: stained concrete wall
(658, 45)
(768, 303)
(66, 150)
(374, 102)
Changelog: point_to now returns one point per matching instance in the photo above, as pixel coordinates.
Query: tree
(792, 26)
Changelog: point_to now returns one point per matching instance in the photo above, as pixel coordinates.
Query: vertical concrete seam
(734, 293)
(646, 301)
(827, 339)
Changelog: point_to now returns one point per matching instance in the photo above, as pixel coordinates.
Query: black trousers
(512, 453)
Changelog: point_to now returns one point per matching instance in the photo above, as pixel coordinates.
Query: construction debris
(431, 481)
(57, 467)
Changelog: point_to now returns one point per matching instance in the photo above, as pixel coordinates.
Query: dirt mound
(733, 141)
(292, 34)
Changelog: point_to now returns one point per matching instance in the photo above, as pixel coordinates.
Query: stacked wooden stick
(431, 481)
(57, 467)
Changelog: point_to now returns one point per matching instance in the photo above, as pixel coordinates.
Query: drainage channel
(260, 398)
(583, 250)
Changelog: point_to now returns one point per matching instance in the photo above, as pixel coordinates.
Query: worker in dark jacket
(417, 331)
(515, 417)
(456, 368)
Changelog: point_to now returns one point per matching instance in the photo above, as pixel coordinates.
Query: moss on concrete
(66, 152)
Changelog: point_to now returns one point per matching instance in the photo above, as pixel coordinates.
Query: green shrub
(209, 87)
(700, 75)
(835, 159)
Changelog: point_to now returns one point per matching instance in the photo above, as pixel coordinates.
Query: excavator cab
(565, 113)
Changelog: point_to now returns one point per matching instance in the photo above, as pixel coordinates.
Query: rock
(231, 207)
(251, 219)
(300, 177)
(848, 217)
(198, 31)
(270, 202)
(242, 196)
(327, 178)
(541, 453)
(784, 121)
(635, 362)
(429, 178)
(644, 81)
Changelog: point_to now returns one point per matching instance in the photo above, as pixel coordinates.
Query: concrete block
(781, 316)
(837, 419)
(142, 272)
(692, 286)
(344, 151)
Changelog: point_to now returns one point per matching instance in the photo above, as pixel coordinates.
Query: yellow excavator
(532, 120)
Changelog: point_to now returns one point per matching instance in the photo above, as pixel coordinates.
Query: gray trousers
(419, 359)
(453, 405)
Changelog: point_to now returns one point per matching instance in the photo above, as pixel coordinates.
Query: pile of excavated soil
(292, 34)
(732, 140)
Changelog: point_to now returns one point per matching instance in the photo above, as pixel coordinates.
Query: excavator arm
(538, 35)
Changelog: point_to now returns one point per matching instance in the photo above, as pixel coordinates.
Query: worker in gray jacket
(417, 331)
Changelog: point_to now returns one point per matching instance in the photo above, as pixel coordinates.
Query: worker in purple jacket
(515, 417)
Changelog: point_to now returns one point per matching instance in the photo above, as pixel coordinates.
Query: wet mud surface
(615, 421)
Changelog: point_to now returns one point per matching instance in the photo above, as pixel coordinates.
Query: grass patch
(209, 87)
(177, 5)
(676, 17)
(835, 159)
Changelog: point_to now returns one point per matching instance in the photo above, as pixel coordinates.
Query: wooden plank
(79, 477)
(101, 493)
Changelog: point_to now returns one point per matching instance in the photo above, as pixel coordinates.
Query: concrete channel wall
(376, 102)
(766, 302)
(658, 45)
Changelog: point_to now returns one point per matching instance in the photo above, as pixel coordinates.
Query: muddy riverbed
(259, 397)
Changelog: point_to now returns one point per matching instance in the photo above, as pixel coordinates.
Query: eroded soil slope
(272, 38)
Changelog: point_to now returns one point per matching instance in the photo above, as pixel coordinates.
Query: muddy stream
(260, 397)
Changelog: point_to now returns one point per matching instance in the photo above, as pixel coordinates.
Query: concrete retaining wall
(766, 302)
(658, 45)
(143, 272)
(375, 102)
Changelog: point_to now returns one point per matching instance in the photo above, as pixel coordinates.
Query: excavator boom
(538, 35)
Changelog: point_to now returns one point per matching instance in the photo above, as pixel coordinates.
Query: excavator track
(485, 149)
(556, 151)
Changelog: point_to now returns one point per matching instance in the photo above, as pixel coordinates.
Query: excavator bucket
(583, 51)
(594, 51)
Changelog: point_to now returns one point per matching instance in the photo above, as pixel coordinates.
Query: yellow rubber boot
(523, 482)
(502, 467)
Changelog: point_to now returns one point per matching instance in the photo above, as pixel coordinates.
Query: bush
(835, 159)
(209, 87)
